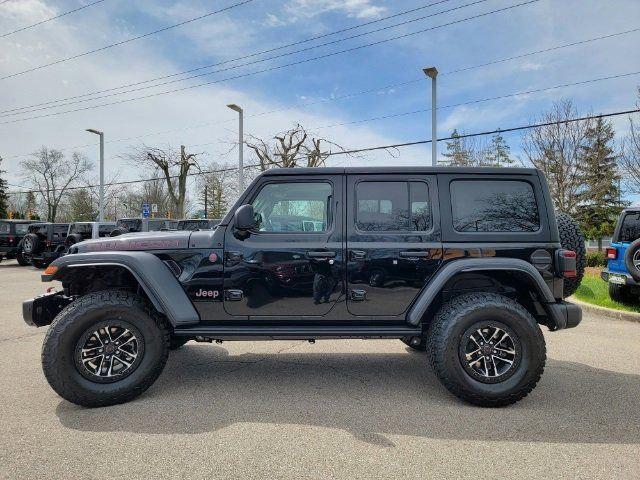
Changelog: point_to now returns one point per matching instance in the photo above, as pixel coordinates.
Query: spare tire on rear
(31, 244)
(72, 239)
(571, 238)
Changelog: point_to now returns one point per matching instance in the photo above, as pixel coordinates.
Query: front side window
(630, 230)
(293, 207)
(104, 230)
(393, 207)
(494, 206)
(83, 229)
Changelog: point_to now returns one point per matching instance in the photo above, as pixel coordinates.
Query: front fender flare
(157, 281)
(429, 294)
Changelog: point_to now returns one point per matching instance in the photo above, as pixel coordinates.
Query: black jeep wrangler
(136, 225)
(471, 264)
(44, 243)
(197, 224)
(11, 233)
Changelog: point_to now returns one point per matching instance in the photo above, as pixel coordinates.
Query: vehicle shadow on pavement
(368, 394)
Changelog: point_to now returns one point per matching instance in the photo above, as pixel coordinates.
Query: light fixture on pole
(432, 73)
(238, 109)
(101, 200)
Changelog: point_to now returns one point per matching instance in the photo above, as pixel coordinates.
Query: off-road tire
(631, 251)
(619, 293)
(465, 312)
(58, 349)
(177, 342)
(22, 260)
(72, 239)
(420, 347)
(31, 244)
(571, 238)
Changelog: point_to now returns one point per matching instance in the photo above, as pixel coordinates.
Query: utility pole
(432, 73)
(238, 109)
(101, 200)
(206, 215)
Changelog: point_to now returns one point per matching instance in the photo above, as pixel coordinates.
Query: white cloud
(365, 9)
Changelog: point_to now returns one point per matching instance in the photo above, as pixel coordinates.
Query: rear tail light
(47, 243)
(612, 253)
(567, 263)
(10, 240)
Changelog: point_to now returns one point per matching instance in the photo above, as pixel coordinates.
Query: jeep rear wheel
(22, 260)
(105, 348)
(571, 238)
(486, 349)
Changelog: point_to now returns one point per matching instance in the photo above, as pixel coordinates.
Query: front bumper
(40, 311)
(606, 273)
(565, 314)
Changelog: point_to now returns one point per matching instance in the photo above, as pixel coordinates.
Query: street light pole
(101, 200)
(432, 73)
(238, 109)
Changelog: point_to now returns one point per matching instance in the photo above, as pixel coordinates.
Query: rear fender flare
(446, 273)
(157, 281)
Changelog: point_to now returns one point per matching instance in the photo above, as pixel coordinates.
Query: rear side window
(60, 231)
(630, 230)
(105, 230)
(393, 207)
(22, 228)
(494, 206)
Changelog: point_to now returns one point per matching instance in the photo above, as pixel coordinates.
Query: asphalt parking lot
(334, 409)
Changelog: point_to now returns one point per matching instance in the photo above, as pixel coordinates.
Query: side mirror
(244, 219)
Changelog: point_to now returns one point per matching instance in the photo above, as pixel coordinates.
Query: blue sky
(264, 24)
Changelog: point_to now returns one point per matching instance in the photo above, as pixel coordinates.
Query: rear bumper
(565, 314)
(8, 251)
(606, 273)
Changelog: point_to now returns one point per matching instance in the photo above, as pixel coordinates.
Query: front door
(393, 241)
(292, 265)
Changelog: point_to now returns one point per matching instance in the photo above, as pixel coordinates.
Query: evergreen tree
(31, 206)
(458, 152)
(599, 201)
(81, 208)
(4, 198)
(498, 153)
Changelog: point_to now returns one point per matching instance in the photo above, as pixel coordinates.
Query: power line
(78, 99)
(230, 60)
(122, 42)
(368, 149)
(354, 94)
(277, 67)
(489, 132)
(64, 14)
(471, 102)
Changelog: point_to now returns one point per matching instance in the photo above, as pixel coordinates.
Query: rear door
(393, 241)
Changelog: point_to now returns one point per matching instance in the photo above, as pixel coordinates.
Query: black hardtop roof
(18, 220)
(402, 169)
(633, 209)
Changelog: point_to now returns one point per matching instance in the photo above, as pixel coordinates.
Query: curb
(609, 312)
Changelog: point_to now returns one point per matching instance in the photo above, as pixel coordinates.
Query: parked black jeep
(473, 264)
(136, 225)
(193, 224)
(11, 233)
(43, 243)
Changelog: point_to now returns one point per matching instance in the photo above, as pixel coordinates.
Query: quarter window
(293, 207)
(393, 207)
(630, 230)
(494, 206)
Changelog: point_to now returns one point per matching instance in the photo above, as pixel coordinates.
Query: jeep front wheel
(486, 349)
(105, 348)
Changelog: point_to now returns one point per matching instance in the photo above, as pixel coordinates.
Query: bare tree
(51, 174)
(631, 154)
(292, 148)
(174, 166)
(557, 151)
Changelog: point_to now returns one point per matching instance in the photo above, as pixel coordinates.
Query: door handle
(409, 254)
(320, 254)
(358, 254)
(233, 295)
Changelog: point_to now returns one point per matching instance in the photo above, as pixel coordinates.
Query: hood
(136, 241)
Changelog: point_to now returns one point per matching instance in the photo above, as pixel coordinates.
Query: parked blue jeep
(623, 258)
